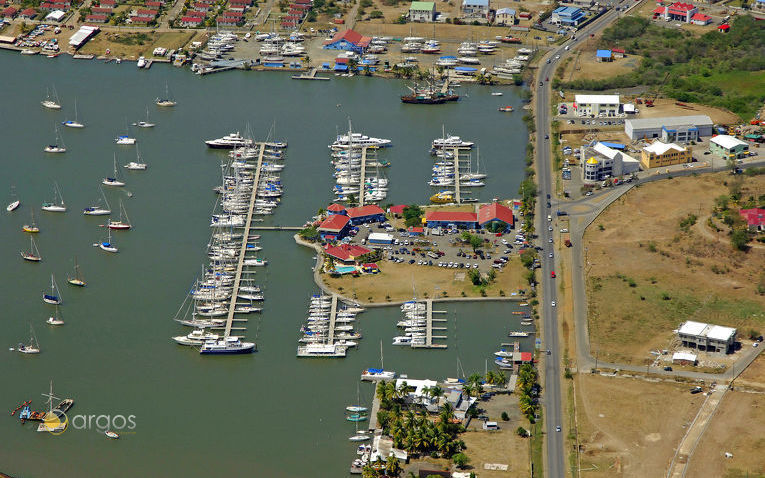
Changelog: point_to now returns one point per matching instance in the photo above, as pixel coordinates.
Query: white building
(599, 162)
(422, 12)
(505, 16)
(671, 129)
(708, 337)
(596, 105)
(475, 8)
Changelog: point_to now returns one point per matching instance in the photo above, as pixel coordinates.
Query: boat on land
(58, 147)
(34, 254)
(98, 210)
(114, 180)
(226, 346)
(54, 206)
(74, 123)
(167, 100)
(33, 347)
(76, 280)
(55, 319)
(54, 298)
(49, 102)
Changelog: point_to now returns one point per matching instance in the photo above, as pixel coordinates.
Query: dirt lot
(132, 45)
(646, 276)
(668, 107)
(754, 375)
(734, 429)
(630, 427)
(586, 66)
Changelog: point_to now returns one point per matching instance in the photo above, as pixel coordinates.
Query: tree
(392, 466)
(475, 242)
(309, 233)
(522, 432)
(461, 460)
(739, 239)
(412, 215)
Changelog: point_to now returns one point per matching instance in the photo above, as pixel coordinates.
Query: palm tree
(392, 466)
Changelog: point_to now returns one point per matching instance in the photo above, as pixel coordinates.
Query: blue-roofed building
(613, 145)
(604, 55)
(505, 16)
(475, 8)
(569, 16)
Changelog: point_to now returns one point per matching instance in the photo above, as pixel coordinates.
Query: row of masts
(357, 169)
(329, 328)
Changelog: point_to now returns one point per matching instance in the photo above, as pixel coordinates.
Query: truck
(567, 240)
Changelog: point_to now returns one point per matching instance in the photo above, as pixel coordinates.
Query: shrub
(506, 417)
(739, 239)
(522, 432)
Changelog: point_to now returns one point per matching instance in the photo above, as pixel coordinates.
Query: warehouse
(671, 129)
(728, 147)
(596, 105)
(708, 337)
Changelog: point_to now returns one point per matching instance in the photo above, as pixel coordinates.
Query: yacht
(196, 337)
(375, 374)
(113, 181)
(322, 350)
(124, 140)
(141, 62)
(227, 345)
(49, 103)
(75, 122)
(54, 148)
(451, 142)
(98, 209)
(359, 140)
(136, 165)
(230, 141)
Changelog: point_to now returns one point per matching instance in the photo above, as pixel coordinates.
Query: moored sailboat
(114, 180)
(73, 123)
(53, 206)
(98, 210)
(34, 254)
(54, 297)
(77, 279)
(121, 224)
(55, 319)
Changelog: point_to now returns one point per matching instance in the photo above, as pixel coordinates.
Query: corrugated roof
(696, 120)
(657, 147)
(727, 142)
(423, 6)
(603, 54)
(718, 332)
(506, 11)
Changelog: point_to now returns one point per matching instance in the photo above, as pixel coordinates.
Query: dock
(429, 337)
(277, 228)
(332, 319)
(457, 196)
(245, 238)
(363, 177)
(310, 76)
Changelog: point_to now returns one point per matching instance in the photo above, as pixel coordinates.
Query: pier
(457, 196)
(363, 177)
(332, 318)
(277, 228)
(245, 240)
(310, 76)
(429, 337)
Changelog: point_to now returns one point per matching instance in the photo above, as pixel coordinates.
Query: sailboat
(120, 225)
(32, 226)
(107, 245)
(58, 146)
(34, 254)
(166, 101)
(75, 123)
(33, 347)
(55, 418)
(55, 319)
(98, 210)
(374, 374)
(53, 206)
(14, 204)
(49, 103)
(125, 139)
(55, 296)
(77, 279)
(145, 124)
(359, 410)
(136, 165)
(474, 175)
(113, 181)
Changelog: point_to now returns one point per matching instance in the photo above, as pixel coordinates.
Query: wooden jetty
(245, 237)
(429, 337)
(277, 228)
(310, 76)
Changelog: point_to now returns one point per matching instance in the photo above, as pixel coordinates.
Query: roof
(416, 229)
(604, 54)
(397, 209)
(660, 10)
(350, 36)
(617, 50)
(423, 6)
(684, 356)
(495, 210)
(10, 11)
(599, 99)
(567, 10)
(335, 222)
(451, 216)
(475, 3)
(682, 7)
(379, 236)
(95, 17)
(724, 27)
(592, 161)
(346, 252)
(369, 210)
(29, 11)
(506, 11)
(701, 16)
(336, 207)
(718, 332)
(696, 120)
(753, 217)
(657, 147)
(692, 328)
(613, 145)
(727, 142)
(192, 19)
(525, 356)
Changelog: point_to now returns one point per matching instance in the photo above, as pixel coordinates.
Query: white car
(552, 303)
(551, 254)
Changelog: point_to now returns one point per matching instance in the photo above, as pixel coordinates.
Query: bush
(461, 460)
(739, 239)
(522, 432)
(375, 14)
(505, 417)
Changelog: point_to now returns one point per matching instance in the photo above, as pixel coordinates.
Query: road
(552, 400)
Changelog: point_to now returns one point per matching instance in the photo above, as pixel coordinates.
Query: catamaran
(113, 181)
(166, 101)
(145, 124)
(53, 206)
(375, 374)
(75, 123)
(136, 165)
(55, 296)
(55, 319)
(34, 254)
(98, 210)
(120, 225)
(14, 204)
(49, 103)
(33, 347)
(77, 279)
(58, 146)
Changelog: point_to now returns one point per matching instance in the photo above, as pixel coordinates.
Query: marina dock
(310, 76)
(245, 238)
(457, 195)
(362, 178)
(429, 337)
(332, 319)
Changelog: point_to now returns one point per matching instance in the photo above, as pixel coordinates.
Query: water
(267, 414)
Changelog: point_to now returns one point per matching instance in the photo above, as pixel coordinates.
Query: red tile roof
(494, 211)
(525, 356)
(681, 7)
(146, 12)
(660, 10)
(196, 14)
(346, 252)
(29, 12)
(397, 209)
(192, 19)
(364, 211)
(334, 223)
(352, 37)
(108, 2)
(701, 16)
(336, 207)
(103, 10)
(10, 11)
(96, 18)
(617, 50)
(153, 4)
(754, 217)
(141, 19)
(451, 216)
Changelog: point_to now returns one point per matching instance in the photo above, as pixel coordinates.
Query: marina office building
(599, 162)
(708, 337)
(671, 129)
(596, 105)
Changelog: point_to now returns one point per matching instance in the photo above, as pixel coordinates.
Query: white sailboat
(73, 123)
(167, 101)
(125, 139)
(55, 319)
(34, 254)
(122, 224)
(107, 245)
(113, 181)
(53, 206)
(98, 210)
(358, 409)
(48, 102)
(145, 124)
(55, 295)
(77, 279)
(136, 165)
(33, 347)
(58, 146)
(15, 203)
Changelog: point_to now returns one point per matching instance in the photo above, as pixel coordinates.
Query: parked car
(552, 274)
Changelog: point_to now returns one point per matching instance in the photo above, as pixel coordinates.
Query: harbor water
(266, 414)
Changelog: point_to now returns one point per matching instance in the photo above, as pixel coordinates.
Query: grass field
(131, 45)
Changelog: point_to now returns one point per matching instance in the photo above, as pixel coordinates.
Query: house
(701, 19)
(201, 6)
(724, 28)
(96, 18)
(707, 337)
(475, 8)
(229, 21)
(153, 4)
(728, 146)
(365, 214)
(568, 16)
(451, 219)
(602, 162)
(28, 14)
(10, 12)
(755, 218)
(101, 10)
(348, 40)
(196, 14)
(135, 20)
(422, 12)
(397, 210)
(505, 16)
(336, 208)
(146, 13)
(192, 21)
(659, 154)
(596, 105)
(618, 53)
(108, 3)
(679, 11)
(671, 129)
(603, 55)
(335, 227)
(346, 253)
(495, 217)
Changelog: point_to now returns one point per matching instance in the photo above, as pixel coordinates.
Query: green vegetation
(413, 215)
(473, 240)
(528, 389)
(310, 233)
(739, 239)
(131, 38)
(715, 69)
(690, 220)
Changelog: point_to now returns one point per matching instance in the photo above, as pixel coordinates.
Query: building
(604, 55)
(568, 16)
(684, 358)
(55, 16)
(475, 8)
(601, 162)
(365, 214)
(759, 5)
(347, 254)
(658, 154)
(596, 105)
(678, 11)
(9, 13)
(451, 219)
(618, 52)
(379, 238)
(96, 18)
(707, 337)
(724, 28)
(348, 40)
(505, 16)
(192, 21)
(415, 230)
(397, 210)
(701, 19)
(728, 146)
(671, 129)
(422, 12)
(28, 14)
(82, 36)
(755, 218)
(495, 217)
(335, 227)
(336, 208)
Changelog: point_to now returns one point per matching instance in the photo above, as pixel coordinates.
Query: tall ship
(430, 94)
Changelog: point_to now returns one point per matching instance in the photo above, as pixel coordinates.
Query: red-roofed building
(724, 28)
(10, 12)
(334, 227)
(366, 214)
(141, 20)
(336, 208)
(348, 40)
(189, 21)
(108, 3)
(28, 13)
(195, 14)
(496, 217)
(451, 219)
(46, 6)
(370, 268)
(96, 18)
(397, 210)
(618, 53)
(154, 4)
(346, 253)
(201, 6)
(101, 10)
(526, 357)
(755, 218)
(659, 11)
(229, 21)
(701, 19)
(415, 230)
(680, 11)
(146, 12)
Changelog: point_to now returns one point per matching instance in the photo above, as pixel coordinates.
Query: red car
(552, 274)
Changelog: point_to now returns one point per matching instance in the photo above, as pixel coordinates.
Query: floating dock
(429, 337)
(310, 76)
